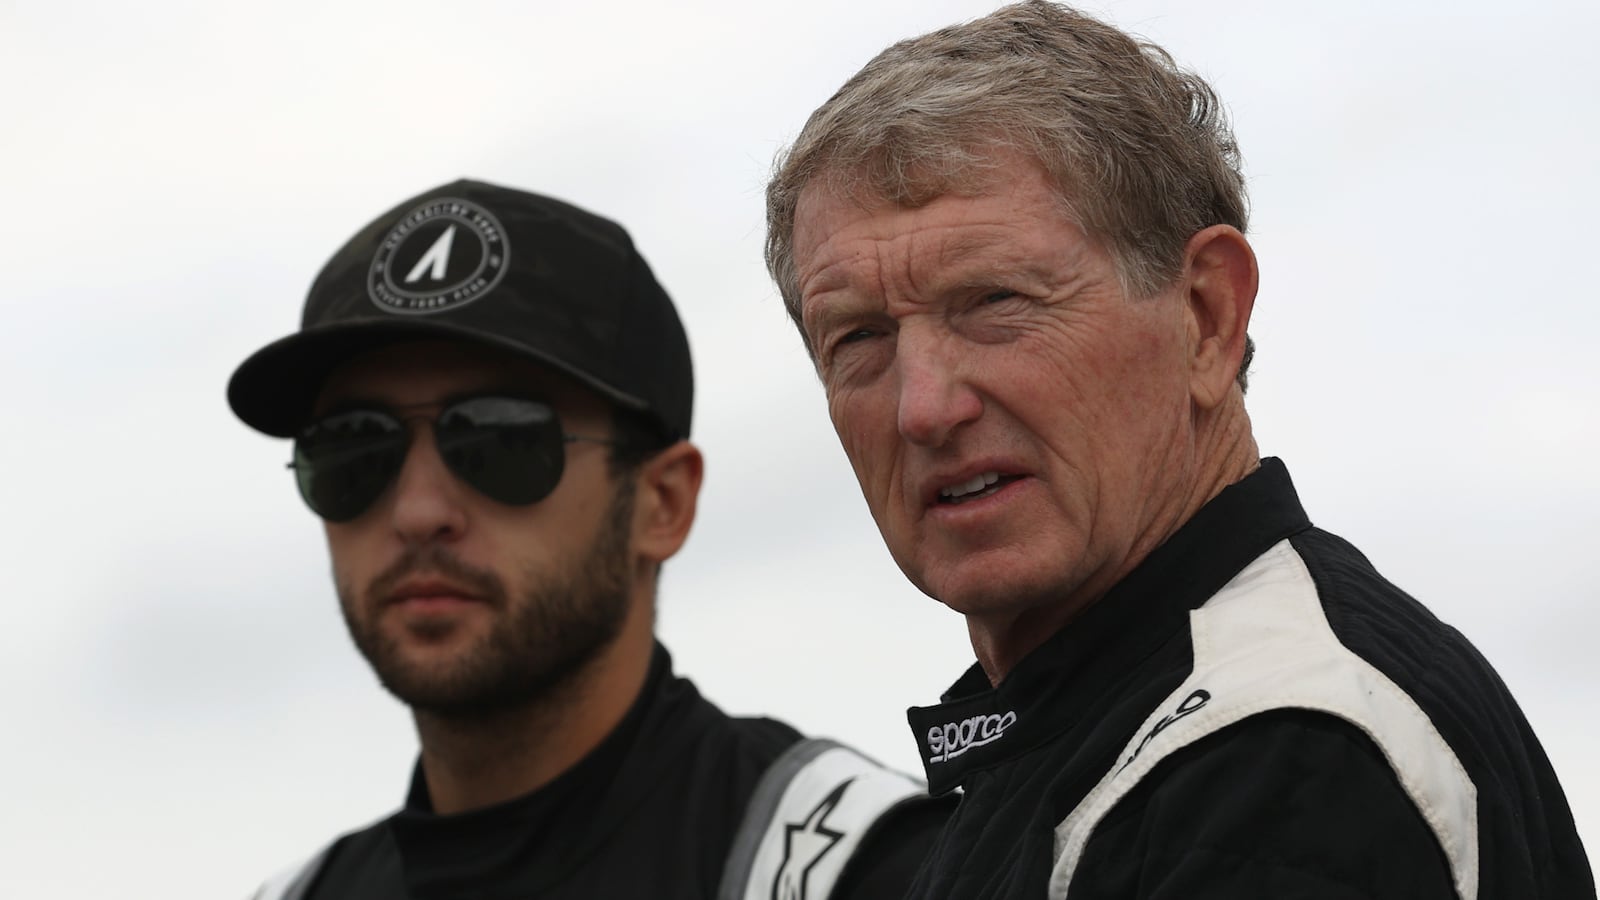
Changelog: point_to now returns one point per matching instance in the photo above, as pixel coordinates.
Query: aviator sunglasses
(510, 449)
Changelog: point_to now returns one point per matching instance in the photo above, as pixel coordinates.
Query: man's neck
(1226, 452)
(471, 764)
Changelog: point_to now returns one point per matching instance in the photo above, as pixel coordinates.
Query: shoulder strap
(808, 814)
(1264, 643)
(293, 882)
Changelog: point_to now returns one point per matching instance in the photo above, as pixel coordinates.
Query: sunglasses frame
(404, 437)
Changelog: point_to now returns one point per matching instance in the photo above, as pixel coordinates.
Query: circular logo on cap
(443, 254)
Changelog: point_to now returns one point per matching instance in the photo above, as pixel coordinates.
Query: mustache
(437, 561)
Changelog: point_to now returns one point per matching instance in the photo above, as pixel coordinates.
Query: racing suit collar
(976, 726)
(490, 849)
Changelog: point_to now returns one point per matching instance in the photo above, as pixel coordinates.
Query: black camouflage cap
(486, 264)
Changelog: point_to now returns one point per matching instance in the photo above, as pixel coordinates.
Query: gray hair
(1139, 150)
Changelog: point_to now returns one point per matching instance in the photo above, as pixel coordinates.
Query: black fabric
(652, 812)
(1341, 825)
(1283, 804)
(891, 853)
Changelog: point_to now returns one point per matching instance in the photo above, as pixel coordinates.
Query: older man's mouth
(980, 485)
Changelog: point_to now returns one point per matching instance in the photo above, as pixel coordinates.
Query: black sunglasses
(511, 450)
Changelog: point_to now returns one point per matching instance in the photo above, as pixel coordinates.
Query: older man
(1015, 250)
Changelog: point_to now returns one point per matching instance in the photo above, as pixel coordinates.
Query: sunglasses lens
(508, 449)
(345, 461)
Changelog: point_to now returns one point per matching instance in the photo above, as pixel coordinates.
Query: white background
(182, 712)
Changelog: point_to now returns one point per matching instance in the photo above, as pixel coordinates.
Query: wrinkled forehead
(893, 177)
(993, 170)
(418, 373)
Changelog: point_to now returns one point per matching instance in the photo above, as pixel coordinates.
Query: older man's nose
(935, 399)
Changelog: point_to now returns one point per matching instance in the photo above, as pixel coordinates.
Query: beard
(540, 641)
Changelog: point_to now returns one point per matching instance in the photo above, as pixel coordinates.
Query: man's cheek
(854, 429)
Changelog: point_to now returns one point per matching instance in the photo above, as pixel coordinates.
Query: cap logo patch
(441, 255)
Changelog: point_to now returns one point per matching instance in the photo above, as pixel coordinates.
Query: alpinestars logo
(804, 845)
(948, 741)
(441, 255)
(1191, 704)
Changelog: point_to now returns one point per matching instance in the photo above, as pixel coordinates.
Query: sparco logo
(441, 255)
(948, 741)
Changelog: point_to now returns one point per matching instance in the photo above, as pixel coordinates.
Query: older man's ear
(1220, 280)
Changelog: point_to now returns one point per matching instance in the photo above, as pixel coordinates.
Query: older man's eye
(998, 296)
(853, 337)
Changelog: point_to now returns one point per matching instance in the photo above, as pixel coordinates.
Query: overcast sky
(183, 711)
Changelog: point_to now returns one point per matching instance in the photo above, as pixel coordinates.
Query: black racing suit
(654, 811)
(1253, 712)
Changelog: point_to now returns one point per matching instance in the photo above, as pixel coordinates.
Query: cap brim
(274, 390)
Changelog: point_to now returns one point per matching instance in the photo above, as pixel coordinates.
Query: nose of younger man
(427, 503)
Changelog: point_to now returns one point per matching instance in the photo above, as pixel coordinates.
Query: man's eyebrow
(819, 316)
(496, 389)
(1013, 270)
(990, 275)
(349, 402)
(369, 400)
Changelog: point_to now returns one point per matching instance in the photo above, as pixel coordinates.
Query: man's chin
(968, 589)
(450, 695)
(437, 667)
(473, 679)
(998, 596)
